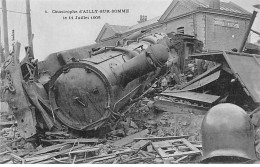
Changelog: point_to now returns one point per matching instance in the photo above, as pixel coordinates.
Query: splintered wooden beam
(129, 139)
(48, 149)
(17, 159)
(102, 159)
(141, 144)
(56, 154)
(162, 138)
(194, 96)
(80, 140)
(179, 108)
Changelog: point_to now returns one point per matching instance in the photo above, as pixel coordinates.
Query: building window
(180, 30)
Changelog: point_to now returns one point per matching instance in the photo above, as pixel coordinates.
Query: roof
(185, 6)
(119, 29)
(113, 30)
(143, 24)
(110, 31)
(233, 8)
(194, 5)
(225, 6)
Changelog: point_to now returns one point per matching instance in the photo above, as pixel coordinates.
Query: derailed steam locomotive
(83, 94)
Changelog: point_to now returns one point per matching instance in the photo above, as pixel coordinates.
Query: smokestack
(215, 4)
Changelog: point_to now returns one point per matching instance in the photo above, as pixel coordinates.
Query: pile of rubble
(136, 148)
(143, 136)
(147, 133)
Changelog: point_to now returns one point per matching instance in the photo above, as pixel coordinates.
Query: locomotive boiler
(84, 94)
(80, 89)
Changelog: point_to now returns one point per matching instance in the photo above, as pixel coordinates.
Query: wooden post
(2, 57)
(247, 32)
(29, 27)
(5, 28)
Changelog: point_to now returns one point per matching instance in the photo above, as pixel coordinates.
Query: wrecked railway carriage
(84, 93)
(233, 79)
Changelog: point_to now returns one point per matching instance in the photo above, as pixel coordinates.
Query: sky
(53, 33)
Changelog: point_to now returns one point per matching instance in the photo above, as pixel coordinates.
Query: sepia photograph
(130, 82)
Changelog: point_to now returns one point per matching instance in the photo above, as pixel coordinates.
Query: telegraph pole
(2, 57)
(5, 28)
(29, 28)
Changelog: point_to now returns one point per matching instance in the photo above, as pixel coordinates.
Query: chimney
(215, 4)
(143, 18)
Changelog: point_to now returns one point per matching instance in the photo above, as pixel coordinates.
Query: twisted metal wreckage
(86, 89)
(234, 78)
(80, 89)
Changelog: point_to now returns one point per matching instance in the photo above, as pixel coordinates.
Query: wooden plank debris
(147, 154)
(102, 159)
(170, 148)
(199, 146)
(56, 154)
(5, 161)
(162, 138)
(116, 160)
(193, 96)
(49, 149)
(83, 153)
(107, 155)
(3, 153)
(179, 108)
(16, 159)
(8, 149)
(37, 157)
(173, 161)
(150, 148)
(141, 144)
(85, 150)
(5, 123)
(61, 160)
(60, 133)
(124, 141)
(55, 160)
(79, 140)
(180, 159)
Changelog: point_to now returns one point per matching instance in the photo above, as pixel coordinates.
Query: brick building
(220, 25)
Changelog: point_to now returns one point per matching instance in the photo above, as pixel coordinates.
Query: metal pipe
(135, 35)
(156, 56)
(247, 32)
(256, 32)
(121, 49)
(5, 28)
(29, 27)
